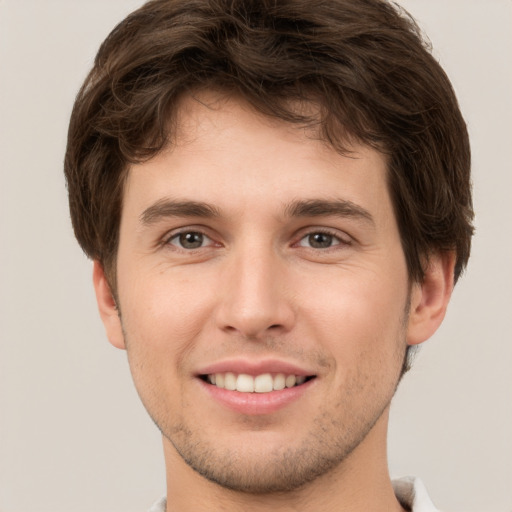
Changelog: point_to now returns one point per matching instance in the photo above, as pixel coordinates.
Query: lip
(255, 403)
(254, 368)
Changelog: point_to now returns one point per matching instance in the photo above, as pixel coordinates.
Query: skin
(259, 287)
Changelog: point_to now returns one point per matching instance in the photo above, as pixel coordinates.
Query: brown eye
(320, 240)
(189, 240)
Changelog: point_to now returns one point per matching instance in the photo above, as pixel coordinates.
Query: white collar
(411, 493)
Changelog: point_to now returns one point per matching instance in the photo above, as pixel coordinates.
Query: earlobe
(107, 307)
(430, 298)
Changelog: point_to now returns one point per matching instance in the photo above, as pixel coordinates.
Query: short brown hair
(363, 62)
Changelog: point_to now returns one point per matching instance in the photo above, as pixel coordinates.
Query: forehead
(221, 151)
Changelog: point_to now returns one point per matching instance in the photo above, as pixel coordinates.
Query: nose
(256, 298)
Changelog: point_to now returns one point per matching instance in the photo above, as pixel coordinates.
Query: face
(264, 296)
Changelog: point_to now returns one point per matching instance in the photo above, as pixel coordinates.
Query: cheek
(372, 301)
(162, 317)
(360, 318)
(168, 305)
(160, 320)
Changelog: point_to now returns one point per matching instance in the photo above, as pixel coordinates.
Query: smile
(264, 383)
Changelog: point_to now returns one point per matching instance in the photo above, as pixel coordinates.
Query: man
(276, 198)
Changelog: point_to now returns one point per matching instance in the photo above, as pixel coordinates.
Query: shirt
(410, 492)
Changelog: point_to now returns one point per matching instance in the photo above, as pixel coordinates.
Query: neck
(359, 483)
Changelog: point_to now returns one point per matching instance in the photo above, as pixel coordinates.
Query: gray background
(73, 436)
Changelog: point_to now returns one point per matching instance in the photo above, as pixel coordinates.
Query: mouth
(263, 383)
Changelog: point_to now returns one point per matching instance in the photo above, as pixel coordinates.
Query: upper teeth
(263, 383)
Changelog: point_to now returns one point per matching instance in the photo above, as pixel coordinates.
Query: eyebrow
(323, 208)
(165, 208)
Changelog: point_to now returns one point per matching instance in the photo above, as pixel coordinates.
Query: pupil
(320, 240)
(191, 240)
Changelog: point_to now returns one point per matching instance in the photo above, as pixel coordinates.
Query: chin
(264, 467)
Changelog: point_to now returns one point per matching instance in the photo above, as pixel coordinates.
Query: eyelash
(326, 232)
(168, 239)
(340, 241)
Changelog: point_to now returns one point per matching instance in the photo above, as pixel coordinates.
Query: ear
(429, 299)
(107, 306)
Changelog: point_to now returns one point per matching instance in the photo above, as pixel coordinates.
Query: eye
(190, 240)
(320, 240)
